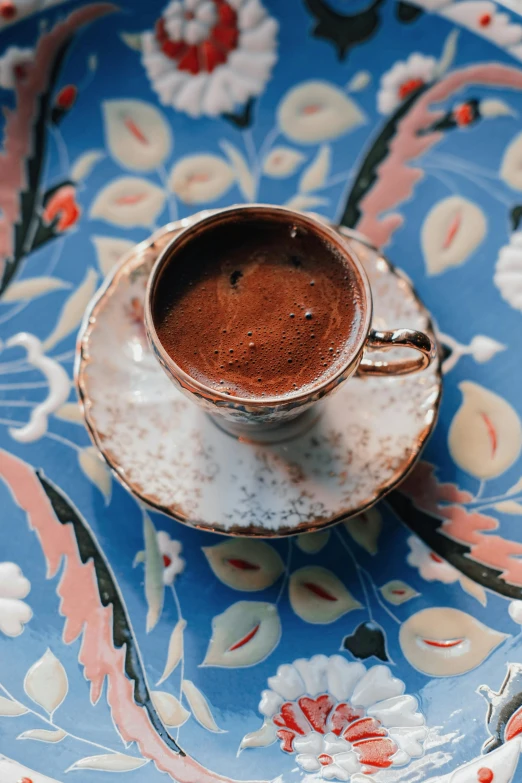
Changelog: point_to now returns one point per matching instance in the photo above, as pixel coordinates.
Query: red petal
(367, 728)
(174, 49)
(66, 97)
(244, 565)
(287, 738)
(343, 715)
(514, 725)
(376, 752)
(7, 10)
(491, 432)
(319, 591)
(224, 37)
(190, 61)
(211, 56)
(317, 711)
(246, 638)
(292, 718)
(227, 15)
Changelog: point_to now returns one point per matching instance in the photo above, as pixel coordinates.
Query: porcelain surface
(170, 454)
(386, 649)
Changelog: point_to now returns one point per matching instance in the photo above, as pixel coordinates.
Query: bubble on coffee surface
(278, 316)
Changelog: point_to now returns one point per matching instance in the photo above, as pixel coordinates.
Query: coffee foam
(259, 309)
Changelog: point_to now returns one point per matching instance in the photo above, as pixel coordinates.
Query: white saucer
(170, 455)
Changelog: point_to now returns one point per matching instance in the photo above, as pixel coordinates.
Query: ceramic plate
(386, 649)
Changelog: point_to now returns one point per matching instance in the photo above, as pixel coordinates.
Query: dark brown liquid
(258, 308)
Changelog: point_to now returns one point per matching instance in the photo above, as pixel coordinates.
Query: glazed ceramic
(386, 649)
(273, 419)
(173, 456)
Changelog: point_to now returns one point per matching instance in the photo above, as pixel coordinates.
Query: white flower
(317, 111)
(170, 551)
(12, 66)
(431, 567)
(405, 77)
(207, 58)
(14, 613)
(339, 717)
(508, 271)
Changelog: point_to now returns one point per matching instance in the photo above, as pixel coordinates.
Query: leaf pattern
(199, 706)
(318, 596)
(245, 634)
(175, 651)
(154, 588)
(96, 470)
(46, 682)
(109, 762)
(73, 310)
(245, 565)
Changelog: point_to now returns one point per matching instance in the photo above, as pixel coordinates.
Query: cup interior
(228, 226)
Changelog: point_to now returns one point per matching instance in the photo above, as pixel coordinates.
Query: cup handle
(403, 338)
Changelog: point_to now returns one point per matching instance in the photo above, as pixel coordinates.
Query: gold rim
(82, 360)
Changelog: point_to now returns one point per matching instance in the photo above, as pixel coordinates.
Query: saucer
(172, 456)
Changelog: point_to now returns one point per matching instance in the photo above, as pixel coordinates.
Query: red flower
(464, 114)
(62, 205)
(66, 97)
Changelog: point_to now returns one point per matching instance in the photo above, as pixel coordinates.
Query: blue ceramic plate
(384, 650)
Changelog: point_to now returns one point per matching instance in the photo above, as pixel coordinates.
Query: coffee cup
(259, 312)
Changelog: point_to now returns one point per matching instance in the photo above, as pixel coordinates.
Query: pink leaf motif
(99, 656)
(17, 133)
(395, 179)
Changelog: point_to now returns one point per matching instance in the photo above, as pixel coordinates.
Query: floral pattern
(359, 639)
(340, 718)
(210, 56)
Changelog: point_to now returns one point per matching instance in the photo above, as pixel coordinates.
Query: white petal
(251, 14)
(170, 84)
(313, 673)
(287, 682)
(13, 583)
(310, 744)
(349, 762)
(398, 711)
(218, 98)
(343, 676)
(189, 97)
(270, 703)
(174, 28)
(14, 614)
(206, 12)
(334, 744)
(195, 32)
(260, 38)
(410, 740)
(308, 762)
(335, 772)
(377, 684)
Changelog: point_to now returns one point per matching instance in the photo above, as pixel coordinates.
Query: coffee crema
(258, 308)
